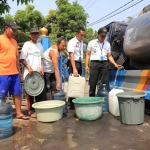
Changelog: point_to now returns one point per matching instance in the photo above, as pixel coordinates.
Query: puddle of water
(113, 129)
(44, 128)
(53, 145)
(70, 141)
(6, 144)
(26, 143)
(25, 148)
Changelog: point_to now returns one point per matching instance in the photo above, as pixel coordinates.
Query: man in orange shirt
(9, 67)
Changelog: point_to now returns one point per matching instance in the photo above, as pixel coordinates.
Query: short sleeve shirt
(75, 47)
(98, 49)
(8, 56)
(32, 53)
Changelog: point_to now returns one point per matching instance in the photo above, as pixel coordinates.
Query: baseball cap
(11, 24)
(102, 31)
(34, 30)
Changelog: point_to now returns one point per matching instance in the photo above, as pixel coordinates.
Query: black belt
(77, 61)
(99, 60)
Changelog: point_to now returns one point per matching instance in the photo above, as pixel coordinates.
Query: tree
(9, 17)
(29, 18)
(68, 18)
(50, 18)
(4, 6)
(129, 19)
(90, 35)
(2, 21)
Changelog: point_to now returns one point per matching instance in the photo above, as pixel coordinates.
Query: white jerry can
(113, 102)
(76, 86)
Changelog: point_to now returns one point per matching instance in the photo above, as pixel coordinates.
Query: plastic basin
(49, 111)
(131, 106)
(88, 108)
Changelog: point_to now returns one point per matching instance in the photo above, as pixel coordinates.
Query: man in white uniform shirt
(75, 52)
(98, 51)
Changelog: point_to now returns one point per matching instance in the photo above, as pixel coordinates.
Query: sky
(96, 9)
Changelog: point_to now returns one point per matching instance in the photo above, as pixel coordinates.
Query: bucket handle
(137, 97)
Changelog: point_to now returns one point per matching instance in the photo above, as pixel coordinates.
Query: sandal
(33, 115)
(23, 117)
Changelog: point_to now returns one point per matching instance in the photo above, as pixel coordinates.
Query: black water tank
(137, 39)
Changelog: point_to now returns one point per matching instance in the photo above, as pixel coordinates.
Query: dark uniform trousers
(99, 70)
(70, 69)
(78, 67)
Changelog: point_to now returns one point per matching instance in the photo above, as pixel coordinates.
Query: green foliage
(66, 19)
(22, 37)
(9, 17)
(51, 17)
(4, 6)
(129, 19)
(29, 18)
(2, 21)
(90, 35)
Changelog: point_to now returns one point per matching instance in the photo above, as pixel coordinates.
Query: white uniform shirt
(32, 53)
(76, 47)
(98, 49)
(48, 65)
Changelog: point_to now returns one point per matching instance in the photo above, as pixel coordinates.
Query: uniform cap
(102, 31)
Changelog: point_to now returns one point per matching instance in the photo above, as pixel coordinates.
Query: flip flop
(33, 115)
(23, 117)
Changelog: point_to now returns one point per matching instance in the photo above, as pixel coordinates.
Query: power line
(114, 11)
(134, 10)
(91, 4)
(87, 3)
(100, 20)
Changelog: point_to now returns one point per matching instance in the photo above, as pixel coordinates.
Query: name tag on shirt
(101, 58)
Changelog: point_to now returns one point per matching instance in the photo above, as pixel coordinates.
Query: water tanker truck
(130, 47)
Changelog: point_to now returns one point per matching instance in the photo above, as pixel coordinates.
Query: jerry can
(76, 86)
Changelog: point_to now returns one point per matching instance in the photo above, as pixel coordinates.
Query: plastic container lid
(34, 84)
(135, 95)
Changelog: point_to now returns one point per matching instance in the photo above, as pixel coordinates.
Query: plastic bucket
(49, 111)
(89, 108)
(131, 106)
